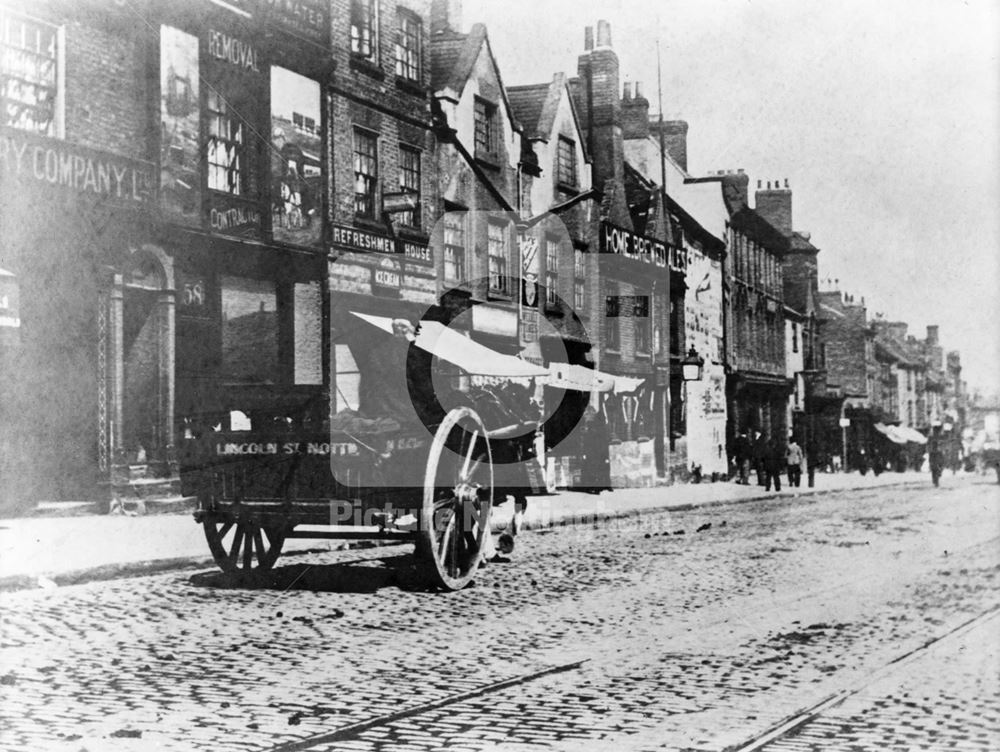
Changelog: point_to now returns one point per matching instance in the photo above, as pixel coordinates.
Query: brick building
(849, 341)
(757, 386)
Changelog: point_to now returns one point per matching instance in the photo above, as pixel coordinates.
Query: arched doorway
(141, 379)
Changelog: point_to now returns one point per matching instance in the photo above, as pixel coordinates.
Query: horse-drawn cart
(400, 447)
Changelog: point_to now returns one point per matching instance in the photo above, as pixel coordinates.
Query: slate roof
(800, 243)
(527, 102)
(756, 227)
(453, 57)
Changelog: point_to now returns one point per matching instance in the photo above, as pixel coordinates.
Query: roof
(527, 102)
(453, 57)
(801, 244)
(757, 228)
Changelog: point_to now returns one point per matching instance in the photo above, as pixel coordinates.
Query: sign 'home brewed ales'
(622, 242)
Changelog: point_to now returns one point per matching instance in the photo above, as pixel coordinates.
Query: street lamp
(691, 365)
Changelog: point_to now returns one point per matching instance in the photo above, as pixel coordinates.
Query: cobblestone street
(694, 630)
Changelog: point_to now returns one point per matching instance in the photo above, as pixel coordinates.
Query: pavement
(64, 550)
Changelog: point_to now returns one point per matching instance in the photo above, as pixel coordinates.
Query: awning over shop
(625, 384)
(472, 357)
(911, 434)
(891, 432)
(579, 378)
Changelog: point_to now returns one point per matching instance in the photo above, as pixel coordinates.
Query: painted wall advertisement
(180, 192)
(296, 159)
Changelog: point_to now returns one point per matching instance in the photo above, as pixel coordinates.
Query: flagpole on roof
(668, 428)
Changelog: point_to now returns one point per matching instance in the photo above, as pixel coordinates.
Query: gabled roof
(536, 106)
(528, 102)
(453, 57)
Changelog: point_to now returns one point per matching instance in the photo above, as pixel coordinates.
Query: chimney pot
(768, 185)
(627, 90)
(758, 184)
(786, 182)
(603, 34)
(740, 171)
(638, 89)
(588, 38)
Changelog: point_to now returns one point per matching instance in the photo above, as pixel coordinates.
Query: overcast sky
(883, 116)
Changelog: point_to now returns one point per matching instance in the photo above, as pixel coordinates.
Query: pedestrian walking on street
(793, 458)
(758, 451)
(595, 475)
(935, 455)
(774, 464)
(741, 456)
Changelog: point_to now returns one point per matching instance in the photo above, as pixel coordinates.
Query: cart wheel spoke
(458, 495)
(248, 538)
(258, 538)
(247, 549)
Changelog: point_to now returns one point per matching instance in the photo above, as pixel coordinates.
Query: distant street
(696, 630)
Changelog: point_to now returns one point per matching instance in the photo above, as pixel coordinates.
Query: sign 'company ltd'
(49, 162)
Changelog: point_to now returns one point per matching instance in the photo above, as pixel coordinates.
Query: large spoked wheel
(457, 501)
(243, 547)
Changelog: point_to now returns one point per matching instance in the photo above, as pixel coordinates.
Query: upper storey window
(408, 47)
(226, 148)
(486, 126)
(363, 28)
(29, 74)
(566, 162)
(365, 173)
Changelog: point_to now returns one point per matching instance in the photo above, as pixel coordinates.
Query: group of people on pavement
(769, 458)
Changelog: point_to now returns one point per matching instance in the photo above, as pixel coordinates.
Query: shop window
(409, 182)
(566, 162)
(498, 258)
(249, 330)
(30, 59)
(226, 151)
(296, 166)
(579, 283)
(454, 246)
(365, 173)
(551, 271)
(346, 380)
(641, 323)
(364, 27)
(612, 334)
(485, 127)
(408, 47)
(308, 333)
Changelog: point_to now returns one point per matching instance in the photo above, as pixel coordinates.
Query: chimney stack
(635, 112)
(932, 334)
(446, 16)
(775, 205)
(603, 34)
(735, 188)
(601, 106)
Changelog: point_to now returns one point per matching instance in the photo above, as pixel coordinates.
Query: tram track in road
(477, 696)
(345, 733)
(793, 723)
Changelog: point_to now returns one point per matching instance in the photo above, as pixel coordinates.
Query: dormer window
(486, 127)
(363, 28)
(566, 162)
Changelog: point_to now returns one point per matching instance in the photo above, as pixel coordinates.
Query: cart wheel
(458, 500)
(243, 547)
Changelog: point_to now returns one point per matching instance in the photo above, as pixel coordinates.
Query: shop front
(88, 370)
